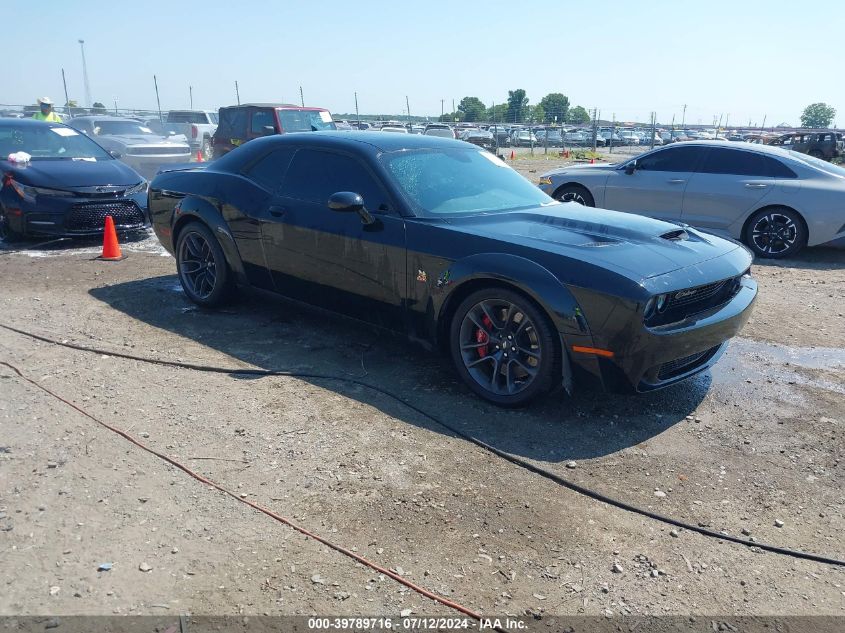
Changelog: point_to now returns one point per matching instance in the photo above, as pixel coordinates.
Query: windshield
(818, 163)
(306, 120)
(212, 116)
(104, 128)
(460, 181)
(43, 142)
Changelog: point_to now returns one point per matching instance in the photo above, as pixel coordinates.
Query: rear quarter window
(233, 122)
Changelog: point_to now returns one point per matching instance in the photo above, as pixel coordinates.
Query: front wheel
(504, 347)
(203, 271)
(775, 233)
(575, 193)
(7, 233)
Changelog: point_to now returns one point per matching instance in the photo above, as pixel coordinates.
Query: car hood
(598, 168)
(141, 139)
(60, 174)
(632, 245)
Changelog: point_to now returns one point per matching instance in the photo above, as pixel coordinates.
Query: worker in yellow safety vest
(46, 113)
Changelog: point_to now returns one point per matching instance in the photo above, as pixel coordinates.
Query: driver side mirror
(350, 202)
(631, 167)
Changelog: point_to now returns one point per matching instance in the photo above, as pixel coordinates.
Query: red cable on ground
(338, 548)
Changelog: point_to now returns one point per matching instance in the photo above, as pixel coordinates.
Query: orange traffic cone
(513, 155)
(199, 156)
(111, 249)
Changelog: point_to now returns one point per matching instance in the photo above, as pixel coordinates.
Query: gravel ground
(753, 447)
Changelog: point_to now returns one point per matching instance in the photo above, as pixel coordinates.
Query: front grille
(92, 216)
(686, 303)
(157, 151)
(683, 365)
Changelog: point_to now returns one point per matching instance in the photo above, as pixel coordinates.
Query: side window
(270, 170)
(681, 158)
(314, 176)
(736, 162)
(261, 121)
(776, 169)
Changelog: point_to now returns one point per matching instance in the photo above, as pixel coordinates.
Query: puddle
(92, 246)
(747, 360)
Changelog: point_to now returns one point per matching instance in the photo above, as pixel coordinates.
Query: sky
(742, 60)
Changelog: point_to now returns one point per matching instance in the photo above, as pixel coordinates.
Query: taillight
(194, 131)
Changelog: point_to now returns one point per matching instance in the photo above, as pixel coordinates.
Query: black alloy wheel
(202, 267)
(775, 233)
(575, 193)
(503, 347)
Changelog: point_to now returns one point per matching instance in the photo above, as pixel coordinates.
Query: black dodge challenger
(443, 242)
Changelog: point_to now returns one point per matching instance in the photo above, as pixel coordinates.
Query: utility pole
(441, 108)
(684, 116)
(191, 94)
(115, 105)
(357, 116)
(237, 93)
(67, 99)
(158, 101)
(453, 107)
(301, 97)
(85, 75)
(408, 106)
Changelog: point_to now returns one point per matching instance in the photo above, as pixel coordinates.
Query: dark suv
(824, 144)
(242, 123)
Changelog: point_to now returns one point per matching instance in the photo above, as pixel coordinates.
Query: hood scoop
(676, 235)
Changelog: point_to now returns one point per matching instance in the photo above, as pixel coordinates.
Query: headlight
(545, 181)
(141, 187)
(28, 192)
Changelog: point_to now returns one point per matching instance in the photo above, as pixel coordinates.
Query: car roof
(273, 105)
(765, 149)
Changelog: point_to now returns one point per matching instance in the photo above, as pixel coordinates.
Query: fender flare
(201, 209)
(526, 276)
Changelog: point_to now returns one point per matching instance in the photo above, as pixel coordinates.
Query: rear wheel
(503, 347)
(203, 271)
(816, 154)
(575, 193)
(776, 232)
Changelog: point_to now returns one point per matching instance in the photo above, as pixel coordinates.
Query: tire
(482, 328)
(7, 234)
(575, 193)
(775, 232)
(207, 152)
(202, 267)
(816, 154)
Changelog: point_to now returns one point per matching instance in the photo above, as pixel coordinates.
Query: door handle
(676, 181)
(277, 212)
(755, 185)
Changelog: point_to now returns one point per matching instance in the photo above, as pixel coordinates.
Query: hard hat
(45, 101)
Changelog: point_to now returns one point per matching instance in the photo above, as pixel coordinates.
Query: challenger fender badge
(422, 276)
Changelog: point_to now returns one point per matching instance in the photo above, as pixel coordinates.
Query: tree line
(553, 108)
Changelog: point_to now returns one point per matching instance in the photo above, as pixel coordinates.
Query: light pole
(85, 75)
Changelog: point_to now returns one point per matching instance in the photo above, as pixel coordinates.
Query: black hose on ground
(518, 461)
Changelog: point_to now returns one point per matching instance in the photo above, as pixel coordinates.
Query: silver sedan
(775, 201)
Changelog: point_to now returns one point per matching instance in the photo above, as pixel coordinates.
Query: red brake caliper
(482, 337)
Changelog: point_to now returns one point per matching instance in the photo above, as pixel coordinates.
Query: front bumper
(646, 359)
(76, 216)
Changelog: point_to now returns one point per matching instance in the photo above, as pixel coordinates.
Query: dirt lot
(755, 445)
